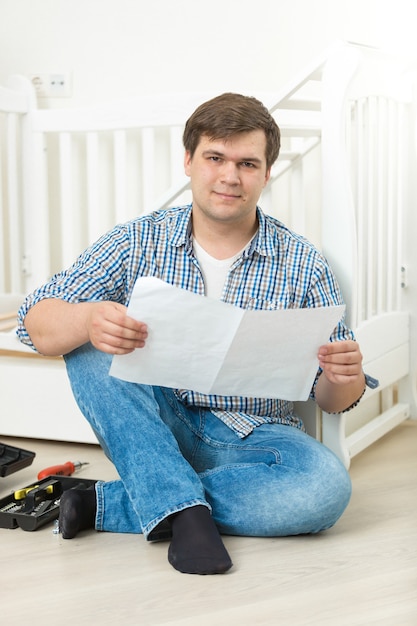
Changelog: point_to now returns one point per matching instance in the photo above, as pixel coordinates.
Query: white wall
(122, 47)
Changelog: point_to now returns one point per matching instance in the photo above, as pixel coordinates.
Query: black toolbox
(14, 459)
(37, 504)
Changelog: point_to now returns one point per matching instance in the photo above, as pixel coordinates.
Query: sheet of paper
(209, 346)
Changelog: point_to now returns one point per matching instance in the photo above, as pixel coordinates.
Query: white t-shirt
(214, 270)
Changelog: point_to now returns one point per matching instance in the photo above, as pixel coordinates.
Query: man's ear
(267, 176)
(187, 162)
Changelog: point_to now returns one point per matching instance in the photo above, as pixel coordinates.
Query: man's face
(227, 176)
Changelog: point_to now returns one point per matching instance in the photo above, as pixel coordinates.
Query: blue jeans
(277, 481)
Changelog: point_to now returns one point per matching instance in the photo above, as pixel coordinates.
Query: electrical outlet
(58, 85)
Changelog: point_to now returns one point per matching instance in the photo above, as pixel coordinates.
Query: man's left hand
(341, 361)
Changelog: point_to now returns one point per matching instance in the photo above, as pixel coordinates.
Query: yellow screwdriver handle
(21, 494)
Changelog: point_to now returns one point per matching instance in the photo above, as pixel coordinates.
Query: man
(193, 466)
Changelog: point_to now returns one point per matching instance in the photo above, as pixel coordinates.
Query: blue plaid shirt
(278, 270)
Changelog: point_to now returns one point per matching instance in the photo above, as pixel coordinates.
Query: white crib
(344, 179)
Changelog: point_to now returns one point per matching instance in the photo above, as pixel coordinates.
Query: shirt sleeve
(99, 273)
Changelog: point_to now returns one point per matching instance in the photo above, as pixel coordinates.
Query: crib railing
(14, 107)
(367, 197)
(94, 167)
(343, 179)
(379, 201)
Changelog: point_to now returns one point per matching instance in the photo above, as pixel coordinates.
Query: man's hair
(228, 115)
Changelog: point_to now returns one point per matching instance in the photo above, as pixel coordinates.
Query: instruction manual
(212, 347)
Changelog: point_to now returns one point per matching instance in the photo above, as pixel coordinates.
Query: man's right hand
(111, 330)
(57, 327)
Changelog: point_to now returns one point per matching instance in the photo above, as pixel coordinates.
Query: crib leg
(334, 436)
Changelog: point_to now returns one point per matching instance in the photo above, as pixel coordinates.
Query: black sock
(77, 511)
(196, 546)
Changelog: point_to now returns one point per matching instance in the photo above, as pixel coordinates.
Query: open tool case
(38, 503)
(13, 459)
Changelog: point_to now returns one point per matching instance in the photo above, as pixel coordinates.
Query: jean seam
(197, 432)
(228, 466)
(99, 505)
(200, 436)
(147, 530)
(247, 448)
(182, 416)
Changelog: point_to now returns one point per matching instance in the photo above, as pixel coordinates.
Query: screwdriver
(64, 469)
(20, 494)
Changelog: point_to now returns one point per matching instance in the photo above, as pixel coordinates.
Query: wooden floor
(363, 571)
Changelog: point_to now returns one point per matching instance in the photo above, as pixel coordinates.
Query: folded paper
(212, 347)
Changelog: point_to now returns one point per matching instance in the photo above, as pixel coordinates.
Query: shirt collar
(264, 243)
(181, 230)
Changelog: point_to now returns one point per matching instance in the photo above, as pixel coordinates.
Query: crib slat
(358, 163)
(176, 152)
(402, 139)
(93, 212)
(381, 208)
(14, 247)
(390, 226)
(37, 227)
(297, 198)
(370, 226)
(393, 212)
(147, 174)
(120, 171)
(67, 234)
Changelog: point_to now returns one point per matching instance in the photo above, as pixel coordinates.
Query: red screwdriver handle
(64, 469)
